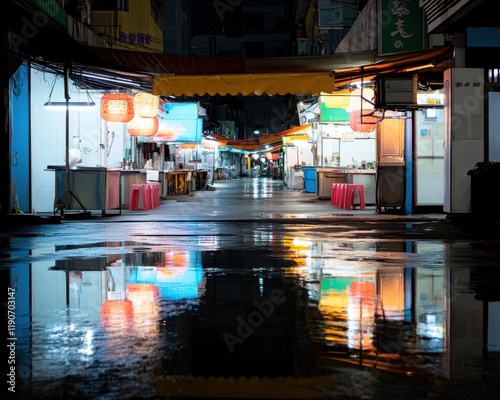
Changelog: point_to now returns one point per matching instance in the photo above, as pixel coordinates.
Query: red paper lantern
(117, 107)
(362, 124)
(141, 126)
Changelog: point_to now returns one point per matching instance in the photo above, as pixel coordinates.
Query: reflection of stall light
(142, 292)
(299, 244)
(176, 259)
(361, 315)
(116, 312)
(255, 156)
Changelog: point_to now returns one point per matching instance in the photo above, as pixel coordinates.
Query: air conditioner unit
(302, 44)
(397, 91)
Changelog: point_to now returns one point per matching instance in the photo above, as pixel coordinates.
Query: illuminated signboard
(401, 26)
(179, 123)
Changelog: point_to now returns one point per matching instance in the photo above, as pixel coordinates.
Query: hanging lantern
(117, 107)
(362, 124)
(146, 105)
(141, 126)
(361, 99)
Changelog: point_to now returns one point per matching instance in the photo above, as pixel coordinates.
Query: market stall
(90, 188)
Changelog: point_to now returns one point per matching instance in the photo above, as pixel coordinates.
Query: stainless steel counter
(90, 188)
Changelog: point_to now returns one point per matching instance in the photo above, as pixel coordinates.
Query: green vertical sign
(400, 26)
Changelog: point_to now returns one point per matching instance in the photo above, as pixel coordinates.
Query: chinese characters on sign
(467, 84)
(135, 38)
(401, 25)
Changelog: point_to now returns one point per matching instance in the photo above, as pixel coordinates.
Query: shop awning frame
(265, 143)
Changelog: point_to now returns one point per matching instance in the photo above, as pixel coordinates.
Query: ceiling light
(74, 105)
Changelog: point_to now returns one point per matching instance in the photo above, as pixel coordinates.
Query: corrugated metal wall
(442, 13)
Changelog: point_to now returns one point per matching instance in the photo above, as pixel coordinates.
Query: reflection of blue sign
(174, 282)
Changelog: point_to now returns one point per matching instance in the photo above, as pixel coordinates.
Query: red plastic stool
(135, 191)
(335, 191)
(154, 189)
(342, 195)
(351, 193)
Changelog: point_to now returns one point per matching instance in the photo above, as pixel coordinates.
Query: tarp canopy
(165, 74)
(264, 143)
(305, 83)
(309, 75)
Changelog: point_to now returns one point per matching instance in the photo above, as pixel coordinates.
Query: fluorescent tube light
(73, 105)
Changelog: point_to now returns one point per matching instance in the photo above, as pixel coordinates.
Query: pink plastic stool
(351, 193)
(135, 191)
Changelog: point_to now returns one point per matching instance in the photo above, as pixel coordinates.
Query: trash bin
(309, 179)
(485, 176)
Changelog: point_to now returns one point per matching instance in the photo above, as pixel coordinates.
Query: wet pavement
(251, 291)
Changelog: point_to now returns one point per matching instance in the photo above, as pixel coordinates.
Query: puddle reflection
(296, 309)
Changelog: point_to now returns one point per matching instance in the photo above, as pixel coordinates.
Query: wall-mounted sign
(333, 108)
(330, 14)
(401, 26)
(135, 38)
(293, 140)
(179, 124)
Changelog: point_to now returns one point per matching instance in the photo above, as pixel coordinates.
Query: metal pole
(67, 96)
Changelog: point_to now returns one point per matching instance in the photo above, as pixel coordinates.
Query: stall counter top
(337, 170)
(75, 167)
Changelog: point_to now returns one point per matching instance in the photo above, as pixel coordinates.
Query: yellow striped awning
(245, 84)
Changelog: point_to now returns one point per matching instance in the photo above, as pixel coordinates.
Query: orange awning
(270, 142)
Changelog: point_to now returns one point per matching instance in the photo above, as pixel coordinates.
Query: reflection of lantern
(116, 311)
(117, 107)
(177, 259)
(362, 124)
(146, 105)
(142, 293)
(361, 315)
(142, 126)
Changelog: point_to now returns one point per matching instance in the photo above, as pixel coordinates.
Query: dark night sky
(211, 17)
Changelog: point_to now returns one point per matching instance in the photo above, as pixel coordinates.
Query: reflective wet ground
(351, 309)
